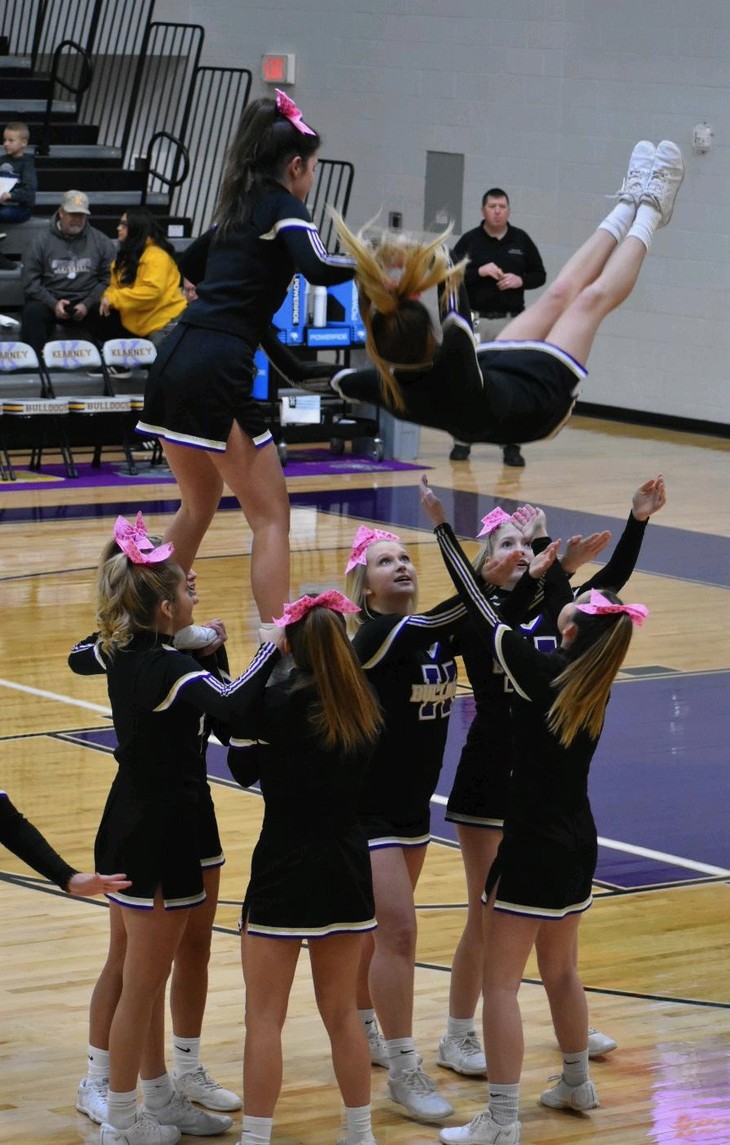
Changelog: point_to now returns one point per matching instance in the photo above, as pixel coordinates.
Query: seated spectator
(16, 203)
(65, 274)
(145, 295)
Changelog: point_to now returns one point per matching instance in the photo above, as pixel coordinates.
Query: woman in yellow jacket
(145, 287)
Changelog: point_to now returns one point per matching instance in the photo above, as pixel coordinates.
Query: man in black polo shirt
(503, 263)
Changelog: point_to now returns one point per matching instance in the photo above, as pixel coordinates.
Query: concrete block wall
(545, 98)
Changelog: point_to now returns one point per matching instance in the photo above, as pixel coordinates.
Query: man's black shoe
(512, 456)
(460, 452)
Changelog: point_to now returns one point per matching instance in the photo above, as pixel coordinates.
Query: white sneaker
(564, 1096)
(483, 1130)
(365, 1141)
(146, 1130)
(599, 1044)
(91, 1098)
(378, 1048)
(637, 176)
(660, 190)
(198, 1085)
(416, 1091)
(189, 1119)
(462, 1055)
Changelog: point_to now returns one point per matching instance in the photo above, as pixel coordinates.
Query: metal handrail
(172, 180)
(87, 73)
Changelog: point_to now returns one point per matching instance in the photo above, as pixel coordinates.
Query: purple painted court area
(301, 463)
(658, 781)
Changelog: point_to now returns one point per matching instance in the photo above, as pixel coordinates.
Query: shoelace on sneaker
(417, 1081)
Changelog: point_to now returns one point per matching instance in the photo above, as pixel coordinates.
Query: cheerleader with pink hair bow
(310, 872)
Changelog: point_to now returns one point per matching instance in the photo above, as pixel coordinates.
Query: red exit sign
(278, 68)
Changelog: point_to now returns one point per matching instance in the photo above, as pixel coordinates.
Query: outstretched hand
(579, 550)
(530, 521)
(86, 886)
(540, 564)
(649, 498)
(497, 570)
(431, 502)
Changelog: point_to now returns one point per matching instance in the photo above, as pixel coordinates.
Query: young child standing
(17, 203)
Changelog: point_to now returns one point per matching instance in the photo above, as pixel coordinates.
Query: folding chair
(132, 354)
(98, 416)
(29, 409)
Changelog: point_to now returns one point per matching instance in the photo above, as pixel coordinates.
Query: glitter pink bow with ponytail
(332, 599)
(493, 521)
(599, 605)
(364, 538)
(287, 107)
(135, 543)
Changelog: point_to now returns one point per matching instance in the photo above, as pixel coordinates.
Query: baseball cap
(75, 203)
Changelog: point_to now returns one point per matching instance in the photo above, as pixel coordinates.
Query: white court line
(629, 848)
(642, 852)
(55, 696)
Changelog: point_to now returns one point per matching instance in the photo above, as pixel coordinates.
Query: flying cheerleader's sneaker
(564, 1096)
(641, 164)
(660, 190)
(599, 1044)
(483, 1130)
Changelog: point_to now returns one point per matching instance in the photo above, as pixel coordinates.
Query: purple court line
(658, 780)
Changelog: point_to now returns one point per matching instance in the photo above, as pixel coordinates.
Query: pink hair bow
(599, 605)
(290, 111)
(332, 599)
(493, 521)
(135, 543)
(364, 538)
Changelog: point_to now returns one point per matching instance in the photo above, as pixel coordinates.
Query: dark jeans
(40, 325)
(14, 213)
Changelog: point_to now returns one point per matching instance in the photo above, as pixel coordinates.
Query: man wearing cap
(66, 272)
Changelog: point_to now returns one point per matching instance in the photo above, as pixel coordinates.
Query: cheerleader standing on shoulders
(310, 871)
(540, 882)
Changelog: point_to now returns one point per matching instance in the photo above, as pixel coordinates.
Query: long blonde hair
(584, 686)
(356, 588)
(128, 596)
(347, 715)
(392, 271)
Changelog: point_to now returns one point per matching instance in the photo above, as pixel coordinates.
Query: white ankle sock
(185, 1054)
(504, 1103)
(157, 1092)
(256, 1130)
(459, 1027)
(618, 221)
(401, 1055)
(358, 1124)
(646, 222)
(575, 1068)
(121, 1109)
(98, 1067)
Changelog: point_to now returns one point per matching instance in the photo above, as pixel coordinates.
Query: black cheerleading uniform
(202, 379)
(26, 841)
(410, 665)
(499, 392)
(547, 857)
(158, 821)
(310, 870)
(480, 793)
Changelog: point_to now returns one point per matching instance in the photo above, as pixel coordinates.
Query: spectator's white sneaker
(415, 1090)
(660, 190)
(564, 1096)
(462, 1055)
(91, 1099)
(637, 176)
(197, 1085)
(189, 1119)
(483, 1130)
(599, 1044)
(146, 1130)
